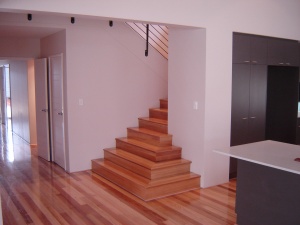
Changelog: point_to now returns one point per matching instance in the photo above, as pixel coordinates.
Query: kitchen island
(268, 183)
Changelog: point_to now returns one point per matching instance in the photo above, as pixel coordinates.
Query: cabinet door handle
(281, 63)
(246, 61)
(245, 118)
(288, 64)
(254, 61)
(252, 117)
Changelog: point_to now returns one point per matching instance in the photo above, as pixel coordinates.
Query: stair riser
(144, 192)
(150, 139)
(164, 157)
(118, 180)
(172, 189)
(163, 104)
(158, 114)
(136, 150)
(153, 156)
(171, 171)
(147, 172)
(128, 165)
(153, 126)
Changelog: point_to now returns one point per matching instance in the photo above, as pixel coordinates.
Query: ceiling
(26, 32)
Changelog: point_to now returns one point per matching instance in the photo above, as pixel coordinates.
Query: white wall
(187, 87)
(278, 18)
(107, 69)
(19, 99)
(19, 47)
(53, 44)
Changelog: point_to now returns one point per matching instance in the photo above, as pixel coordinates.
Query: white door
(42, 109)
(2, 96)
(56, 109)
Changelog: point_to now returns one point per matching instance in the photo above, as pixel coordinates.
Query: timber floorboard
(37, 192)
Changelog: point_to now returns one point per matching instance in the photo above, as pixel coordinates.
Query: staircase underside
(145, 163)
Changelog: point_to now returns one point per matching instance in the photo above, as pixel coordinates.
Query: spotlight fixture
(29, 17)
(111, 23)
(72, 20)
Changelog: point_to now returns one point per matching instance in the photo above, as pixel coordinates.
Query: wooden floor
(34, 191)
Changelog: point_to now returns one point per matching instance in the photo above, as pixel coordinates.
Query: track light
(29, 17)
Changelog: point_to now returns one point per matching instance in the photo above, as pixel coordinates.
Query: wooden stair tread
(149, 147)
(155, 120)
(145, 162)
(142, 181)
(159, 110)
(150, 132)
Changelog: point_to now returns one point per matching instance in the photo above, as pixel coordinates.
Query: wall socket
(195, 105)
(80, 102)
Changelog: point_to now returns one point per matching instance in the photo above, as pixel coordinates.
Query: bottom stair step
(142, 187)
(145, 167)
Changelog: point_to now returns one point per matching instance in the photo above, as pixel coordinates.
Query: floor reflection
(7, 145)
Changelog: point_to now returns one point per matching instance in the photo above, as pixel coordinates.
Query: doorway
(49, 109)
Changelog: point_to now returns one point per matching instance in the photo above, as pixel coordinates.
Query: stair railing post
(147, 39)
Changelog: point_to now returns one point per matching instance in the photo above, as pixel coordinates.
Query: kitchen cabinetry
(249, 91)
(253, 56)
(249, 88)
(283, 52)
(249, 49)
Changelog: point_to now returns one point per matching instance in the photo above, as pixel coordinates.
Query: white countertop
(268, 153)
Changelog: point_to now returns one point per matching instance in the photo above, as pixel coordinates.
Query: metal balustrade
(158, 36)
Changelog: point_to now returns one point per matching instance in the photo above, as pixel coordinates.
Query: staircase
(145, 163)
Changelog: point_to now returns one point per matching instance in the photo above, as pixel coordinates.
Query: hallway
(34, 191)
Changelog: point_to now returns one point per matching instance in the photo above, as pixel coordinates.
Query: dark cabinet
(249, 49)
(282, 104)
(298, 132)
(249, 91)
(248, 112)
(283, 52)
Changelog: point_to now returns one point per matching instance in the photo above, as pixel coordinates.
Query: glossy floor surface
(34, 191)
